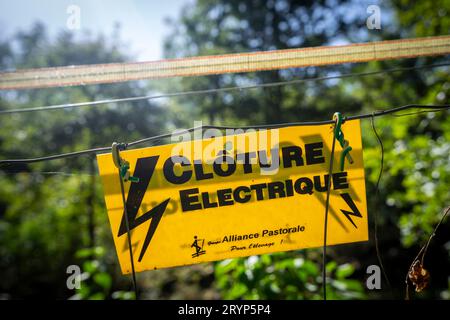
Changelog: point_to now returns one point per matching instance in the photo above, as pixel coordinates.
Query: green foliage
(284, 276)
(49, 210)
(96, 281)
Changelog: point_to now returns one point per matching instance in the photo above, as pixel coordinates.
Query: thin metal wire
(272, 126)
(377, 193)
(325, 228)
(217, 90)
(51, 173)
(130, 248)
(414, 113)
(207, 127)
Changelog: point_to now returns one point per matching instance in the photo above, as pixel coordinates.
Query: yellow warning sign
(210, 197)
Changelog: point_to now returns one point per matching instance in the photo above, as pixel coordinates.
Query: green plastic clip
(339, 120)
(121, 164)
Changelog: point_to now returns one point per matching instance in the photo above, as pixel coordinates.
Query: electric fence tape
(228, 63)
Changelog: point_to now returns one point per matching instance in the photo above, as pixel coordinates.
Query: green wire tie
(123, 165)
(339, 119)
(125, 174)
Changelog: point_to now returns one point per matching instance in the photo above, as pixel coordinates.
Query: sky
(142, 22)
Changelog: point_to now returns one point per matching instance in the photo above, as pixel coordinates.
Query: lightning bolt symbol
(355, 212)
(144, 170)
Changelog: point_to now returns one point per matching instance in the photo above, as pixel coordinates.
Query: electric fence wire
(432, 108)
(53, 173)
(69, 174)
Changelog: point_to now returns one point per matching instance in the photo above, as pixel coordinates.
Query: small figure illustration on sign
(198, 245)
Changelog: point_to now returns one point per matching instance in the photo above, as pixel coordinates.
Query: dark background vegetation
(51, 220)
